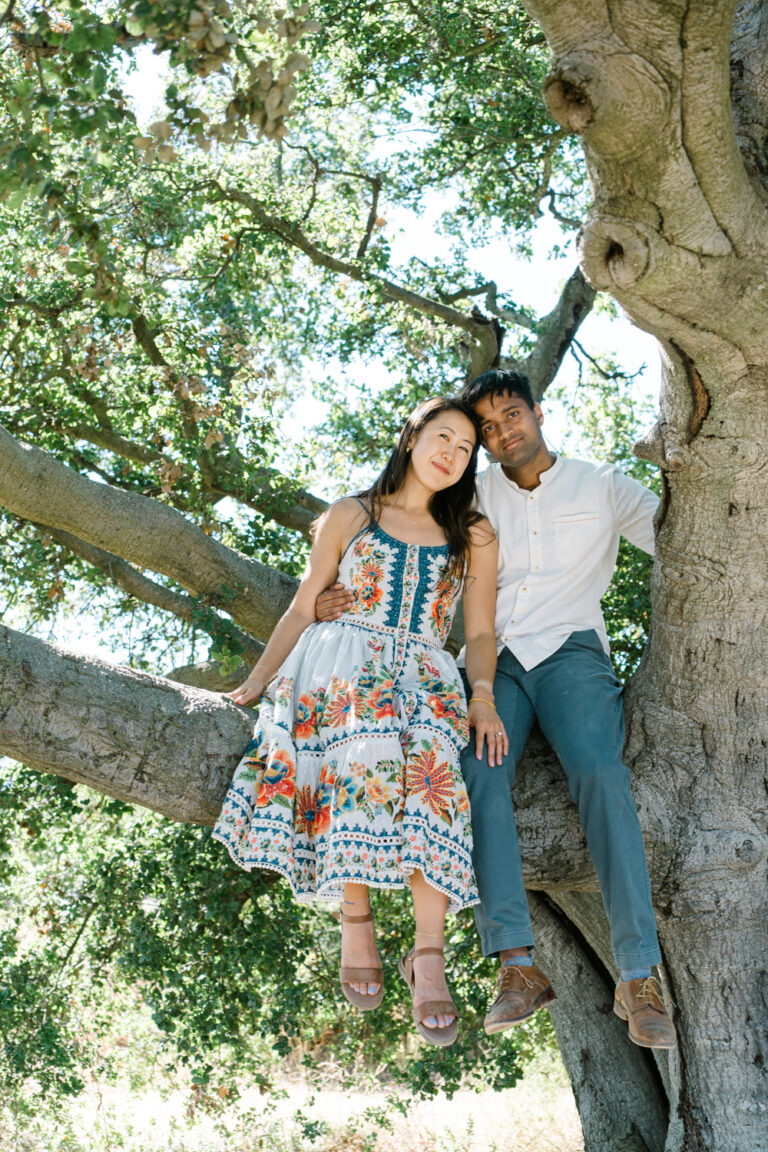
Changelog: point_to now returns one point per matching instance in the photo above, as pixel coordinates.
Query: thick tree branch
(174, 748)
(267, 490)
(707, 121)
(555, 332)
(148, 591)
(137, 737)
(616, 1084)
(35, 486)
(123, 733)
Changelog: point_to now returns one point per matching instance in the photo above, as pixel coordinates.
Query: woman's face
(442, 449)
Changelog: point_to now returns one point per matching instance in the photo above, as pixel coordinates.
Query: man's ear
(538, 413)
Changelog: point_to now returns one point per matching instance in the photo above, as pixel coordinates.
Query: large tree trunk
(677, 232)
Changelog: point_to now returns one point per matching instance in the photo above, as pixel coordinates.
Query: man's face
(511, 430)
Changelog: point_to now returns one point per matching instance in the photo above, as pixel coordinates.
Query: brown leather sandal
(442, 1037)
(361, 975)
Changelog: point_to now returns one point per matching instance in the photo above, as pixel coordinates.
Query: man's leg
(502, 917)
(578, 705)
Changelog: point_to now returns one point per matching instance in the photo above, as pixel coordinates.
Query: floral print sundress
(353, 771)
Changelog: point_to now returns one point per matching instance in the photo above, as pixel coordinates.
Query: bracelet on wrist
(482, 700)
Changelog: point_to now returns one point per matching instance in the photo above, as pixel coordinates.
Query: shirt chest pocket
(576, 534)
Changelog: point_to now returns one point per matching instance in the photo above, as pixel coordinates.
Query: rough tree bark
(677, 233)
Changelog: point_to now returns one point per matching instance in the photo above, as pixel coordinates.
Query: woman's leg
(429, 909)
(358, 941)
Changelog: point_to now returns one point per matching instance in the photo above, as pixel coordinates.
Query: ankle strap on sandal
(427, 952)
(345, 919)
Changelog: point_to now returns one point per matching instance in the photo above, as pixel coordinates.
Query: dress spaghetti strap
(365, 528)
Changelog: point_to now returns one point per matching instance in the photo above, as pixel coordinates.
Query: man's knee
(595, 775)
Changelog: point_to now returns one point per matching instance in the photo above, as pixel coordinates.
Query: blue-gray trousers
(576, 699)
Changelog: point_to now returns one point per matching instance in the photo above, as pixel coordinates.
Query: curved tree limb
(173, 748)
(615, 1083)
(139, 738)
(556, 330)
(148, 591)
(35, 486)
(708, 134)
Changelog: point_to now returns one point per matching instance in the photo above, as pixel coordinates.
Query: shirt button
(535, 567)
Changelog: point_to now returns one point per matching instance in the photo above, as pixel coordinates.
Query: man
(558, 522)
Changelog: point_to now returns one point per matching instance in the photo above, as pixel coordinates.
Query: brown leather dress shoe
(639, 1002)
(522, 989)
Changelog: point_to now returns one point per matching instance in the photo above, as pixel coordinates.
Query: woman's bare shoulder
(343, 516)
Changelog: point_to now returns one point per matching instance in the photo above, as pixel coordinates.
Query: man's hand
(333, 603)
(484, 718)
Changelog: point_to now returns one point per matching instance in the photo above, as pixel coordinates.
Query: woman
(352, 779)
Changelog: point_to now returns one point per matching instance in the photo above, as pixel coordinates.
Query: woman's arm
(480, 635)
(335, 529)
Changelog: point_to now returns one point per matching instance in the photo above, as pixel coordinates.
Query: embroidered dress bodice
(399, 588)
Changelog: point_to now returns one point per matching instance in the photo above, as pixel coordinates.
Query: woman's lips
(440, 468)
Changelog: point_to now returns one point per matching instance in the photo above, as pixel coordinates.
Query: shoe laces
(519, 970)
(650, 990)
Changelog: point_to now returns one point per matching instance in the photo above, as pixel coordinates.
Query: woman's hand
(247, 692)
(489, 729)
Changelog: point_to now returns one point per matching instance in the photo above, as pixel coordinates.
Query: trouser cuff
(627, 960)
(496, 942)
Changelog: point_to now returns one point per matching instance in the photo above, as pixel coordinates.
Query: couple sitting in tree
(362, 773)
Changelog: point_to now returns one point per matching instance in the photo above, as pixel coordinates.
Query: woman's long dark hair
(452, 508)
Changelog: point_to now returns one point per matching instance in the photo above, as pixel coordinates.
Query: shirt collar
(546, 477)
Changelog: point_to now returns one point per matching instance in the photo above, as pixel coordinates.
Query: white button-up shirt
(557, 550)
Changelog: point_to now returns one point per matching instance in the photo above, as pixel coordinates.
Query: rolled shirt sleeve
(635, 508)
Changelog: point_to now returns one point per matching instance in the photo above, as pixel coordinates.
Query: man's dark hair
(498, 382)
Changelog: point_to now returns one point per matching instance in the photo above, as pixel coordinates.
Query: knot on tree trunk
(614, 255)
(663, 446)
(616, 99)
